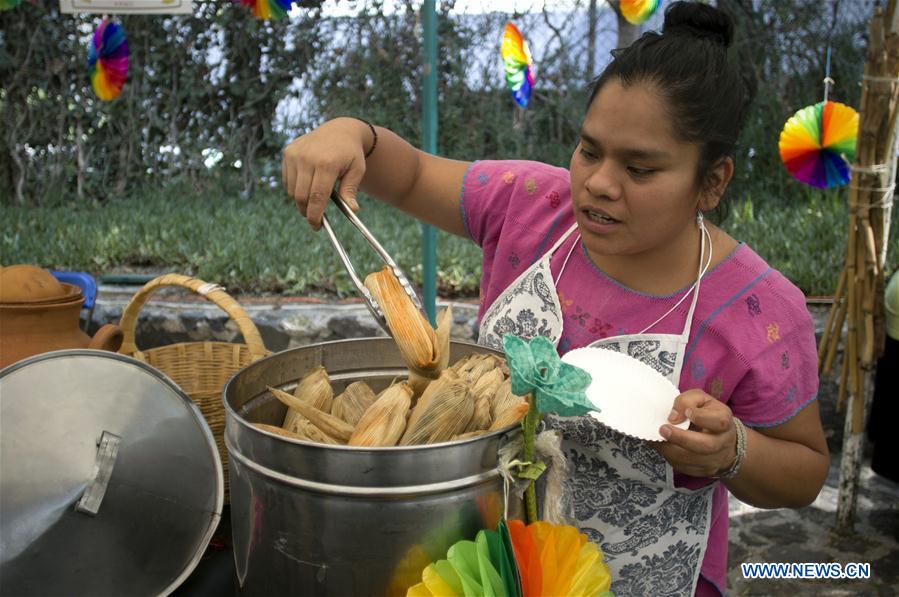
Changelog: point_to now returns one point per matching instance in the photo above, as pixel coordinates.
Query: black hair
(689, 63)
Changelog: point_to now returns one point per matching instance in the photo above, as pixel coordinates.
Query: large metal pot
(311, 519)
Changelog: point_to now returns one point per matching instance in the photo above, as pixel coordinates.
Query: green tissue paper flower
(536, 367)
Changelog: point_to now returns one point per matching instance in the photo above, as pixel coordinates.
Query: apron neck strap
(704, 263)
(561, 240)
(568, 256)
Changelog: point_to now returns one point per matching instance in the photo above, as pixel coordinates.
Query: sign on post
(127, 6)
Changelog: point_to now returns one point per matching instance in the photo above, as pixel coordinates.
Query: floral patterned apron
(653, 534)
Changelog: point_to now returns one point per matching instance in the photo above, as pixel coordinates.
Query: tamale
(353, 402)
(469, 434)
(384, 421)
(480, 365)
(510, 416)
(461, 365)
(418, 379)
(333, 426)
(488, 384)
(503, 398)
(480, 418)
(414, 336)
(315, 389)
(305, 427)
(279, 431)
(442, 411)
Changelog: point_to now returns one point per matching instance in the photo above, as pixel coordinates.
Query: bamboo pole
(824, 348)
(841, 392)
(870, 202)
(834, 339)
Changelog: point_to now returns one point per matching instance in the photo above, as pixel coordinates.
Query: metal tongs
(366, 295)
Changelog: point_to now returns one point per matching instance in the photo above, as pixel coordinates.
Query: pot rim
(232, 414)
(73, 302)
(73, 293)
(357, 449)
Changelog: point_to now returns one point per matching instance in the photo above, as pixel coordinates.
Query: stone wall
(288, 323)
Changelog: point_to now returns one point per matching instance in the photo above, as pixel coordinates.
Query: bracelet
(734, 468)
(374, 136)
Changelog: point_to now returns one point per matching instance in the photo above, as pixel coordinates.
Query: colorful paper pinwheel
(107, 60)
(638, 11)
(268, 9)
(518, 561)
(817, 144)
(517, 65)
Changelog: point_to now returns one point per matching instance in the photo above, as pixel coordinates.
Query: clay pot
(39, 314)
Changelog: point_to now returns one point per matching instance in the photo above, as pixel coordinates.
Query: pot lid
(110, 480)
(20, 284)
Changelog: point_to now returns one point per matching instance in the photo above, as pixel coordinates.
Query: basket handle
(212, 292)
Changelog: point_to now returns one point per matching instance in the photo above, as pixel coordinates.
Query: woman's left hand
(709, 446)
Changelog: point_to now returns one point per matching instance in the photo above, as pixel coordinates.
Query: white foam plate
(632, 397)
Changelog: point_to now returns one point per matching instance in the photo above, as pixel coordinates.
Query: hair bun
(698, 20)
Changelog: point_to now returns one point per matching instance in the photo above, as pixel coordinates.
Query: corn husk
(443, 333)
(442, 411)
(469, 434)
(482, 364)
(333, 426)
(385, 420)
(483, 391)
(418, 379)
(353, 402)
(504, 367)
(461, 366)
(480, 418)
(414, 336)
(503, 398)
(488, 384)
(475, 366)
(304, 427)
(510, 416)
(279, 431)
(314, 388)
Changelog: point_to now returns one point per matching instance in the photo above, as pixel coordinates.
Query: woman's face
(633, 184)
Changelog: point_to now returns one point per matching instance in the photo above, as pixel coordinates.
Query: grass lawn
(261, 245)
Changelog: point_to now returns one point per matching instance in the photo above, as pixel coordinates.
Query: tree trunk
(851, 459)
(627, 33)
(20, 177)
(591, 41)
(79, 148)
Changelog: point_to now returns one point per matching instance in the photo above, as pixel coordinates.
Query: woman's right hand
(313, 163)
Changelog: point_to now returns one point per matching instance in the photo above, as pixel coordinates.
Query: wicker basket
(201, 369)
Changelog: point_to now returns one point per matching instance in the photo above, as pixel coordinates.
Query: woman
(615, 252)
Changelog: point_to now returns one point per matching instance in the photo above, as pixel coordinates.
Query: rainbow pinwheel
(9, 4)
(107, 60)
(518, 561)
(638, 11)
(269, 9)
(517, 65)
(817, 144)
